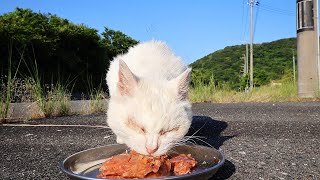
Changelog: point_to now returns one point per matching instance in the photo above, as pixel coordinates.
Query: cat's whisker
(187, 138)
(192, 142)
(204, 142)
(192, 139)
(196, 136)
(199, 129)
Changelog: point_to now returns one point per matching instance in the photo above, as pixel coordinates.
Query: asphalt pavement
(259, 140)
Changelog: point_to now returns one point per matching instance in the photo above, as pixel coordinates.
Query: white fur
(154, 103)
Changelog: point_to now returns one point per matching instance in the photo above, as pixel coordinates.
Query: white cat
(148, 108)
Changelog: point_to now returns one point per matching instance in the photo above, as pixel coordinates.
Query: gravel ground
(259, 140)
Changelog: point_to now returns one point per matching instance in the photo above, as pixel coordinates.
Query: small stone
(293, 164)
(242, 153)
(59, 130)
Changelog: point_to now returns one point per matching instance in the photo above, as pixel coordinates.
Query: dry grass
(97, 101)
(286, 92)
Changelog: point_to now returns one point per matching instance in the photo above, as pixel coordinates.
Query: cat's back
(151, 59)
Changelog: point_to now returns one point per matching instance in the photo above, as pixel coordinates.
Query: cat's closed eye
(133, 125)
(163, 132)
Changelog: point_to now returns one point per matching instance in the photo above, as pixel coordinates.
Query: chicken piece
(134, 165)
(183, 164)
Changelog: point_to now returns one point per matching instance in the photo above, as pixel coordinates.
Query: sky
(192, 29)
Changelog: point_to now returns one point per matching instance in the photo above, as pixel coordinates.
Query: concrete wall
(27, 111)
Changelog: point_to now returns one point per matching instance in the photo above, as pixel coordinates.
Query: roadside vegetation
(53, 59)
(283, 90)
(48, 61)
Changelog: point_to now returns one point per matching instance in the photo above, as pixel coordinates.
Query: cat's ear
(127, 80)
(181, 84)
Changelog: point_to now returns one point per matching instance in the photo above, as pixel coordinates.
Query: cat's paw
(119, 140)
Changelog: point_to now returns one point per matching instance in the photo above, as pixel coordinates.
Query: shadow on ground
(210, 131)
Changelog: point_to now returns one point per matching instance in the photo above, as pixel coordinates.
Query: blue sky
(191, 28)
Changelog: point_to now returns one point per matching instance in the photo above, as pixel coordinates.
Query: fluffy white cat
(148, 108)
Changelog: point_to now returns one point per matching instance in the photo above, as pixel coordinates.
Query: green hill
(271, 61)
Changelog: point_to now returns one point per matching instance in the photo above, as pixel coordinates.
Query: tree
(271, 61)
(61, 51)
(116, 42)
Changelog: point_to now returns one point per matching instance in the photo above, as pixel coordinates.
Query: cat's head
(150, 115)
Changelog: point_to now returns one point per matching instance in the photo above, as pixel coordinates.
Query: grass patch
(285, 92)
(97, 98)
(55, 101)
(2, 109)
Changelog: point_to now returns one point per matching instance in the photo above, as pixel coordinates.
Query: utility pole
(251, 44)
(294, 66)
(244, 65)
(247, 58)
(316, 9)
(308, 48)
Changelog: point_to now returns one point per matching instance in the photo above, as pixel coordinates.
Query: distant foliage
(271, 62)
(71, 54)
(116, 42)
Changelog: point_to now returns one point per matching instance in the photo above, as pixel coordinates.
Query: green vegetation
(97, 98)
(271, 61)
(45, 59)
(52, 58)
(279, 92)
(61, 48)
(218, 77)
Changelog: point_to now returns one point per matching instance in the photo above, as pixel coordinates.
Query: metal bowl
(86, 164)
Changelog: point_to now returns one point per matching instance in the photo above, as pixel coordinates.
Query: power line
(257, 15)
(287, 13)
(278, 9)
(244, 28)
(273, 9)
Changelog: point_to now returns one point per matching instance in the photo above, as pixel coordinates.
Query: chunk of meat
(134, 165)
(182, 164)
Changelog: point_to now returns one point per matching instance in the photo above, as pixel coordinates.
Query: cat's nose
(152, 150)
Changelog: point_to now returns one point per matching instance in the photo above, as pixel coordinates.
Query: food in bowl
(134, 165)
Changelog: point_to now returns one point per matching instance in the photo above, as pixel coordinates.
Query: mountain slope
(271, 61)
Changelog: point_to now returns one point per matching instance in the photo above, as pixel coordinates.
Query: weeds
(55, 101)
(97, 98)
(284, 91)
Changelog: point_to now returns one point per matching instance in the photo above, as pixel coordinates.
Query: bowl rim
(70, 173)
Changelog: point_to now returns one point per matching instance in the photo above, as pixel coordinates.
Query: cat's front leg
(119, 140)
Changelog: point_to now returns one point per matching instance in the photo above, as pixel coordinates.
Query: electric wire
(245, 27)
(256, 17)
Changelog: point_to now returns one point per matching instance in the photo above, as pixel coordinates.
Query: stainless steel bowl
(86, 164)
